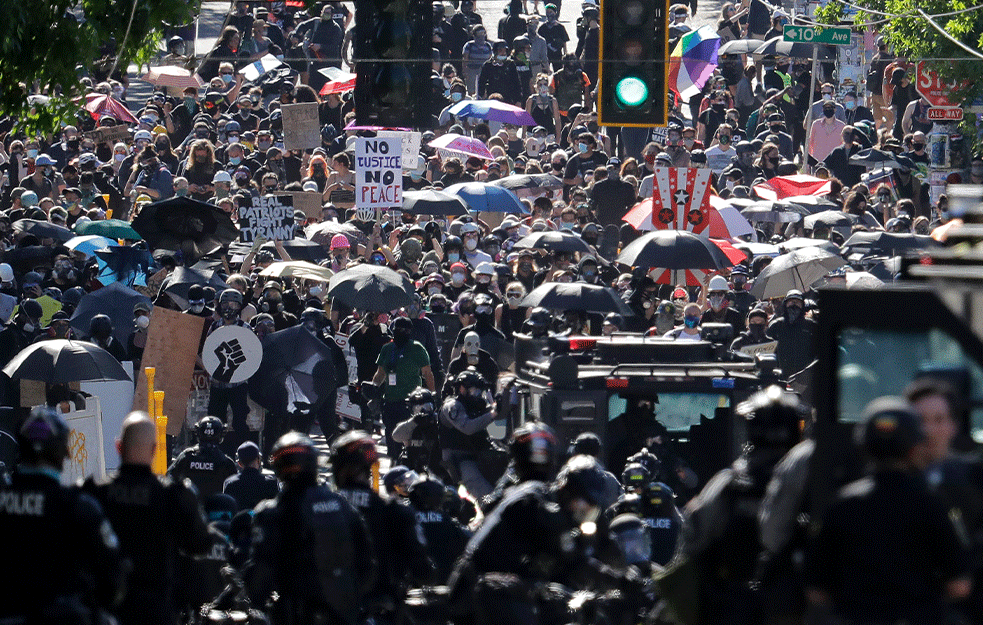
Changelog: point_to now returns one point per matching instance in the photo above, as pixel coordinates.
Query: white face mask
(28, 327)
(457, 278)
(143, 322)
(471, 244)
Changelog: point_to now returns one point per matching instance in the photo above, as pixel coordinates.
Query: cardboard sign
(411, 145)
(32, 392)
(760, 348)
(232, 354)
(109, 134)
(681, 199)
(378, 172)
(172, 348)
(307, 201)
(301, 126)
(344, 406)
(269, 217)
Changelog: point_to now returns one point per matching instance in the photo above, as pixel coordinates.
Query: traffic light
(393, 60)
(632, 88)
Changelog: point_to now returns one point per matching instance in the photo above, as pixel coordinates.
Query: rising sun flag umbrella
(692, 62)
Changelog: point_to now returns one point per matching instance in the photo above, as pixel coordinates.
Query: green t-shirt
(406, 363)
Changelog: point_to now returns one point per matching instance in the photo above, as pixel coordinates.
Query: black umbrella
(177, 284)
(832, 218)
(371, 288)
(292, 375)
(740, 46)
(554, 241)
(43, 229)
(59, 361)
(27, 258)
(577, 296)
(778, 47)
(184, 224)
(433, 202)
(887, 243)
(673, 249)
(874, 158)
(116, 301)
(536, 182)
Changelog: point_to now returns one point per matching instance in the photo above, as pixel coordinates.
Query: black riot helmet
(774, 418)
(540, 320)
(648, 460)
(43, 438)
(355, 450)
(635, 476)
(421, 401)
(427, 494)
(470, 379)
(210, 430)
(294, 455)
(581, 478)
(533, 451)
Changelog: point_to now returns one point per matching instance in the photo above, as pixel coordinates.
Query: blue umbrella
(493, 110)
(487, 198)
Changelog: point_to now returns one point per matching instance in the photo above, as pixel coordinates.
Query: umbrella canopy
(862, 281)
(101, 105)
(371, 288)
(733, 254)
(110, 228)
(796, 270)
(26, 258)
(554, 241)
(321, 233)
(43, 229)
(339, 81)
(833, 219)
(778, 47)
(806, 204)
(177, 284)
(692, 61)
(518, 182)
(116, 301)
(459, 144)
(297, 269)
(184, 224)
(781, 187)
(577, 296)
(798, 243)
(487, 198)
(297, 372)
(887, 243)
(129, 265)
(725, 222)
(173, 76)
(60, 361)
(300, 249)
(739, 46)
(493, 110)
(88, 244)
(433, 202)
(875, 159)
(673, 249)
(763, 213)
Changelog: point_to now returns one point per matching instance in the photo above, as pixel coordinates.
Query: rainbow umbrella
(692, 62)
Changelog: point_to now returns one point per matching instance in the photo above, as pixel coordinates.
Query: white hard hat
(718, 283)
(6, 273)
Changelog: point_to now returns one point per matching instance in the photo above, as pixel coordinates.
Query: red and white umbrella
(339, 81)
(725, 222)
(173, 76)
(781, 187)
(101, 105)
(459, 144)
(697, 277)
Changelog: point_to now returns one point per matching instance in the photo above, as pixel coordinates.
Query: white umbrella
(796, 270)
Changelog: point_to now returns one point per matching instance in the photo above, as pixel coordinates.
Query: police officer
(720, 534)
(532, 456)
(154, 518)
(446, 539)
(62, 556)
(311, 547)
(205, 464)
(587, 443)
(252, 484)
(886, 551)
(397, 540)
(463, 419)
(663, 519)
(419, 434)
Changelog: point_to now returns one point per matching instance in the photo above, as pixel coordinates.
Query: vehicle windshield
(677, 411)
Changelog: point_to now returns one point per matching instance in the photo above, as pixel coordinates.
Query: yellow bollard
(375, 476)
(160, 456)
(150, 372)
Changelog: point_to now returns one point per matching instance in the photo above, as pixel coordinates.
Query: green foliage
(46, 47)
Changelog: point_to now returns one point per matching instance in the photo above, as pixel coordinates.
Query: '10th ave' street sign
(816, 34)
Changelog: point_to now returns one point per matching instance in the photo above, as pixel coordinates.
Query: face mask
(717, 106)
(724, 139)
(690, 321)
(582, 148)
(484, 280)
(827, 96)
(143, 322)
(716, 301)
(756, 329)
(181, 192)
(567, 225)
(227, 78)
(190, 104)
(453, 257)
(32, 153)
(792, 313)
(828, 113)
(774, 161)
(457, 278)
(457, 96)
(850, 105)
(197, 308)
(917, 147)
(471, 244)
(500, 58)
(28, 327)
(688, 142)
(401, 337)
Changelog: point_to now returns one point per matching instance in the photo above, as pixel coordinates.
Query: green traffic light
(631, 91)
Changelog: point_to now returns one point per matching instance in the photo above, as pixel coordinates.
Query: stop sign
(930, 86)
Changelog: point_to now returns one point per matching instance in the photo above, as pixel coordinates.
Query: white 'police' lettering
(22, 504)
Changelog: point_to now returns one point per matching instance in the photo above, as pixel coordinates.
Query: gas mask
(471, 346)
(230, 311)
(716, 302)
(196, 306)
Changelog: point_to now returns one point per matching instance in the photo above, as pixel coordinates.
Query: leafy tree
(49, 45)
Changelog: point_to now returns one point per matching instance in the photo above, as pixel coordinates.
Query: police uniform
(59, 545)
(251, 486)
(154, 518)
(313, 549)
(206, 466)
(445, 538)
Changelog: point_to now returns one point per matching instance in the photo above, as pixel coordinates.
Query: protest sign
(109, 134)
(270, 217)
(172, 348)
(86, 444)
(232, 354)
(681, 199)
(760, 348)
(307, 201)
(411, 145)
(378, 172)
(301, 126)
(344, 406)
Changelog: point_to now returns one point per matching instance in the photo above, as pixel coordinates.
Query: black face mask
(401, 337)
(793, 313)
(829, 113)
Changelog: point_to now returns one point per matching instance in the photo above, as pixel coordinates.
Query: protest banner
(760, 348)
(109, 134)
(301, 126)
(344, 406)
(681, 199)
(378, 172)
(411, 145)
(270, 217)
(172, 348)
